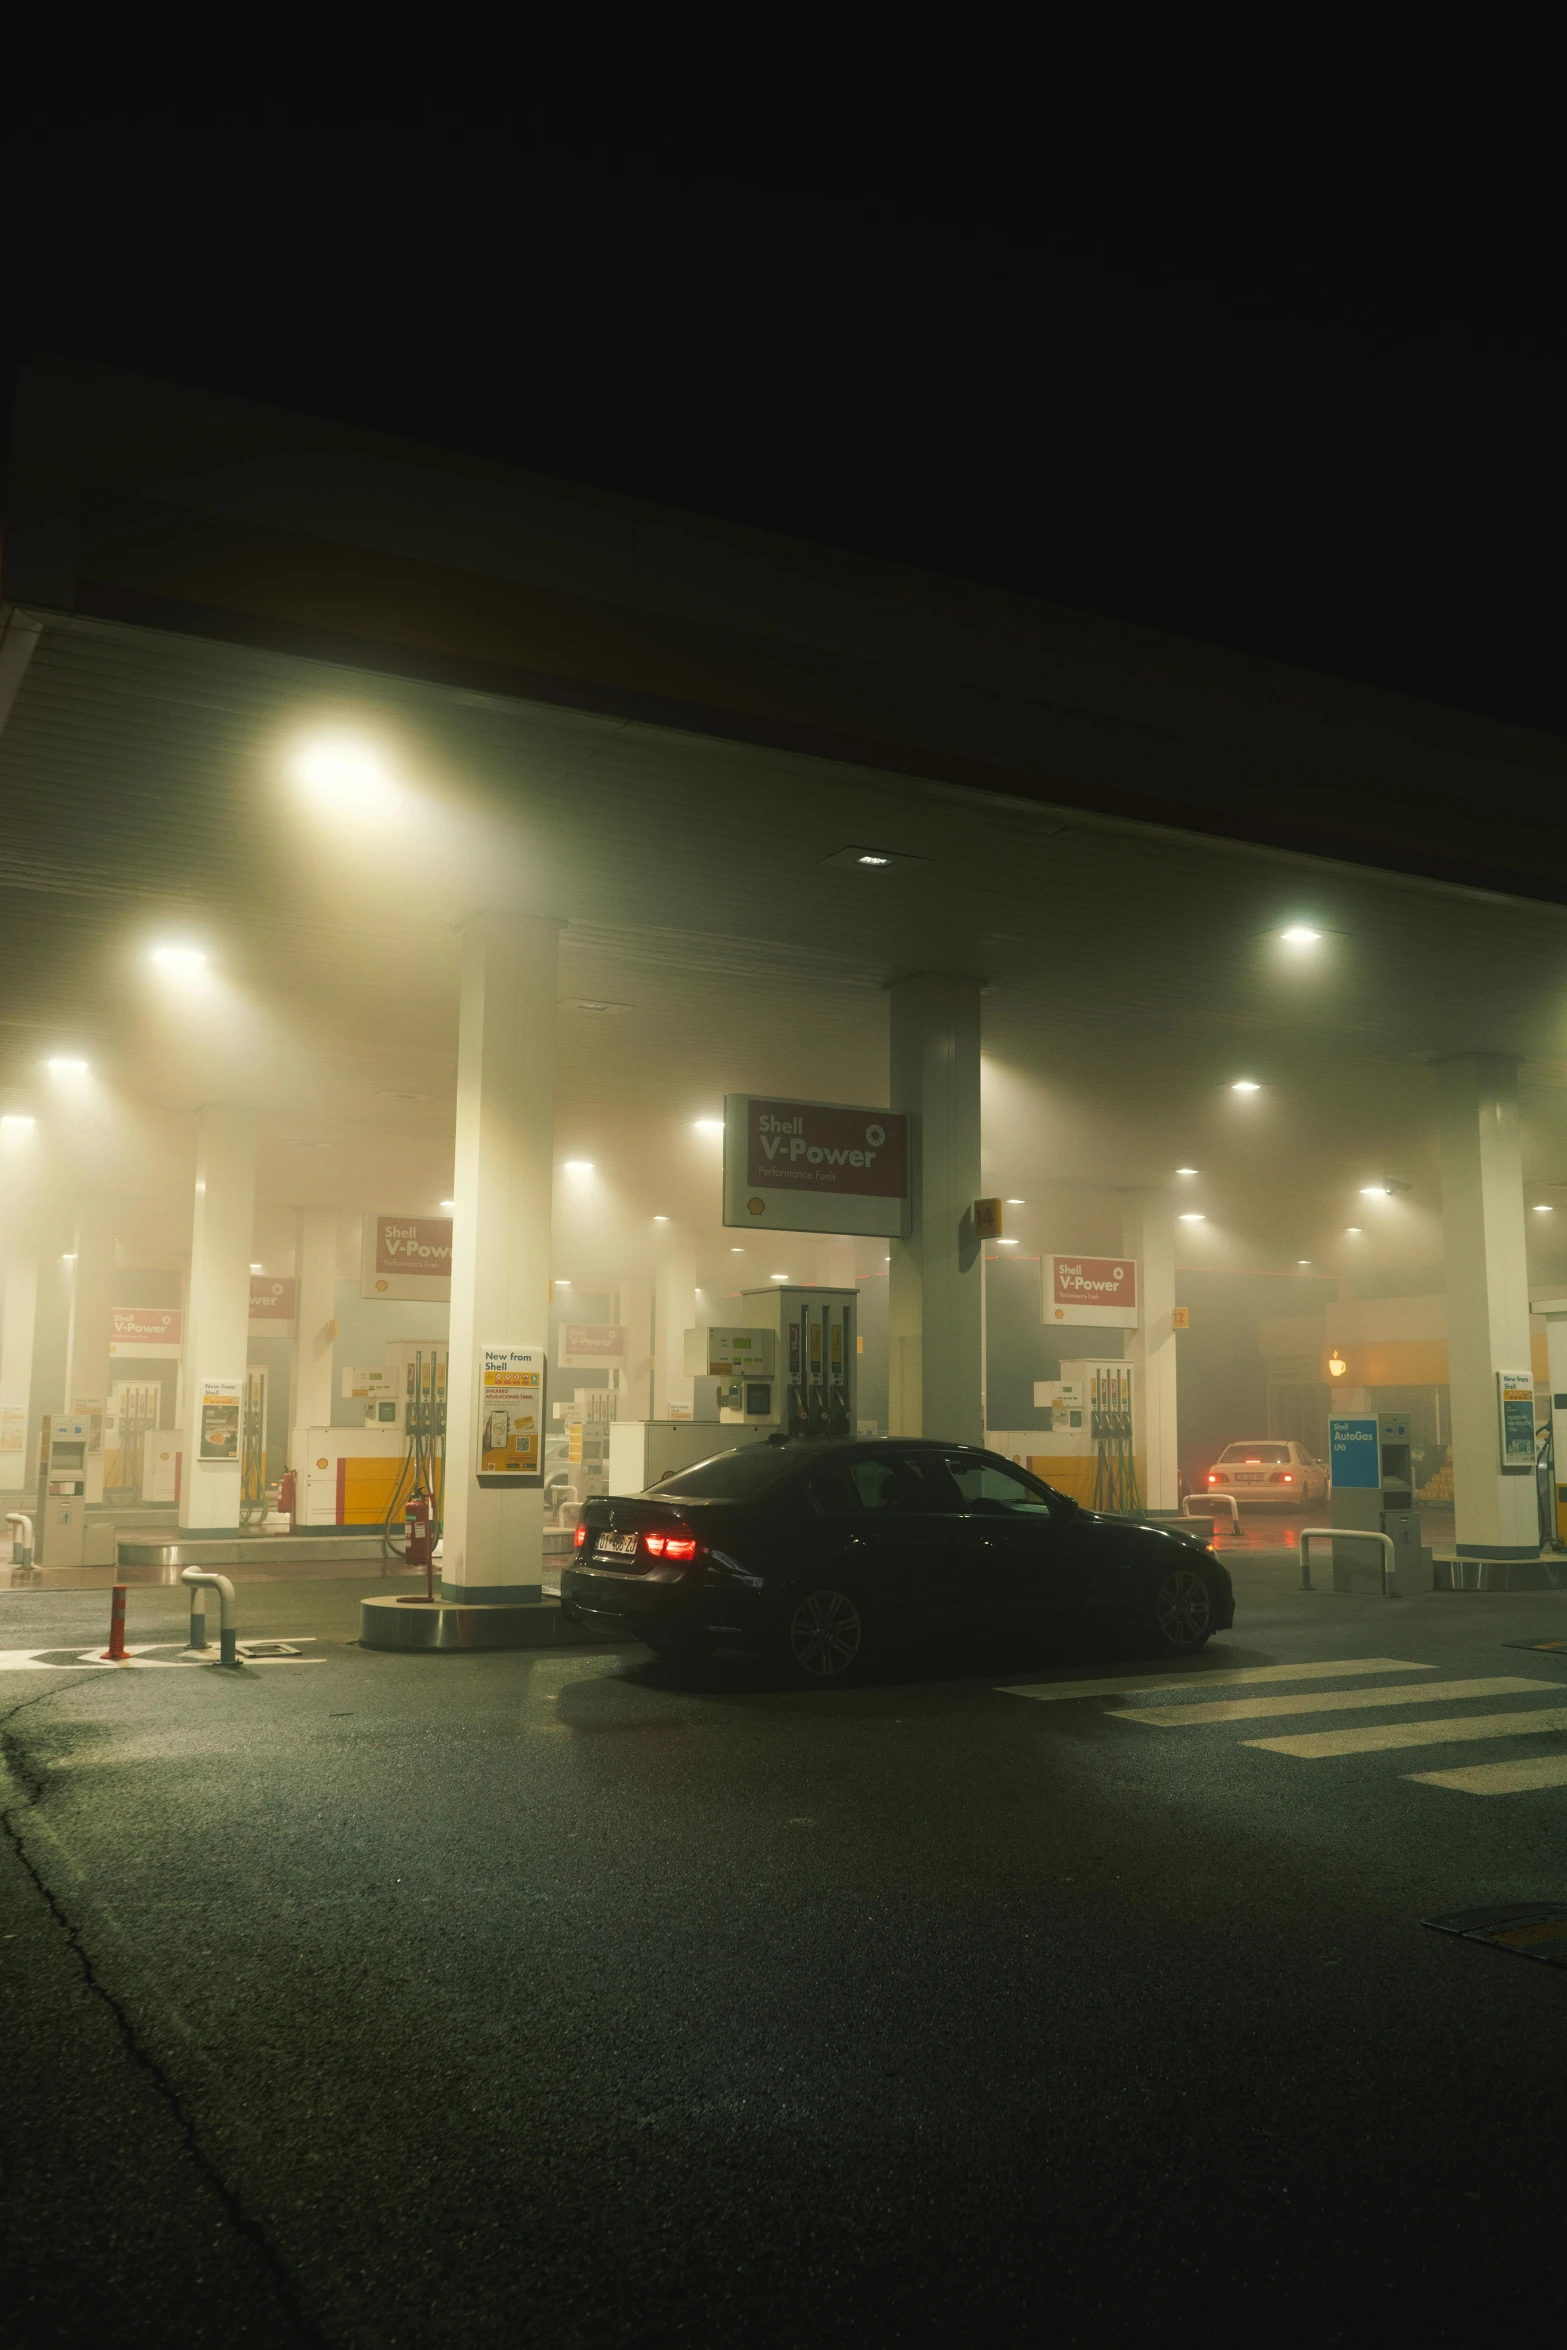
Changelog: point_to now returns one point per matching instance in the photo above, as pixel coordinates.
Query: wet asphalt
(547, 1998)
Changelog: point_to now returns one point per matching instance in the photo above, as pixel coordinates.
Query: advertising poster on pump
(815, 1167)
(510, 1445)
(219, 1426)
(407, 1256)
(1099, 1291)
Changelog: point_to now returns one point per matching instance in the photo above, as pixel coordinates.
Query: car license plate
(615, 1546)
(1248, 1477)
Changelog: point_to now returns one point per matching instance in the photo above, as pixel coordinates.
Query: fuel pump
(419, 1391)
(817, 1356)
(60, 1521)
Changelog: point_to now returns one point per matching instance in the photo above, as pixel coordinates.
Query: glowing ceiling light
(1376, 1191)
(62, 1065)
(870, 857)
(661, 1219)
(1353, 1230)
(708, 1125)
(578, 1166)
(1003, 1242)
(777, 1276)
(1015, 1203)
(737, 1252)
(1543, 1208)
(561, 1282)
(1301, 934)
(15, 1124)
(448, 1203)
(69, 1257)
(1303, 1260)
(1191, 1216)
(255, 1268)
(341, 771)
(1245, 1085)
(1188, 1170)
(171, 957)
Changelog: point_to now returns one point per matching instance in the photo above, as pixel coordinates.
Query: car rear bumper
(686, 1609)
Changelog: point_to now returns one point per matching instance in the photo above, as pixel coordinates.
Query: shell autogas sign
(815, 1166)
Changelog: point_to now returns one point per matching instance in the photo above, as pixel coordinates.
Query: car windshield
(728, 1476)
(1263, 1456)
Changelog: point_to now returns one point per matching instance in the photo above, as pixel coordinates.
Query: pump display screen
(758, 1399)
(67, 1456)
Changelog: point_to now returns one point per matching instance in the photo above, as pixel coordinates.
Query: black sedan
(812, 1553)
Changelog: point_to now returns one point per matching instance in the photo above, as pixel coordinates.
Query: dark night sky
(1290, 410)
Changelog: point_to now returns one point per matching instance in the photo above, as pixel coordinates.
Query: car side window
(994, 1491)
(835, 1491)
(894, 1482)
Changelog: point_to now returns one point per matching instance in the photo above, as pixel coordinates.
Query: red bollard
(115, 1654)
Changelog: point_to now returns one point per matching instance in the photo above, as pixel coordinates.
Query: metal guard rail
(200, 1582)
(1309, 1534)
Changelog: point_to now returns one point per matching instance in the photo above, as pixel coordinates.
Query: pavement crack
(32, 1783)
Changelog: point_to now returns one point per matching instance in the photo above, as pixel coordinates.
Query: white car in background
(1267, 1469)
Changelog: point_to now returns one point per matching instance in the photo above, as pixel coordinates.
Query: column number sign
(510, 1439)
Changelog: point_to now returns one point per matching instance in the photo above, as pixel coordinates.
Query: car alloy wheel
(1183, 1609)
(825, 1635)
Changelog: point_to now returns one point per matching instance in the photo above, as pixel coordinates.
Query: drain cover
(266, 1648)
(1536, 1929)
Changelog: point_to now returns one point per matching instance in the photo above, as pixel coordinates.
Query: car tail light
(1281, 1477)
(1213, 1476)
(680, 1543)
(581, 1535)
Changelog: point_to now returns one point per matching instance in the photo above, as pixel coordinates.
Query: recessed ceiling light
(578, 1166)
(737, 1252)
(1353, 1230)
(255, 1268)
(1003, 1242)
(14, 1123)
(177, 958)
(561, 1283)
(1191, 1217)
(1301, 934)
(1245, 1085)
(69, 1257)
(708, 1125)
(1544, 1208)
(1376, 1191)
(1187, 1170)
(1303, 1260)
(777, 1276)
(61, 1065)
(661, 1219)
(448, 1203)
(1016, 1203)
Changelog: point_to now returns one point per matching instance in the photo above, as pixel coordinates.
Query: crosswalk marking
(1155, 1682)
(1312, 1745)
(1503, 1778)
(1327, 1701)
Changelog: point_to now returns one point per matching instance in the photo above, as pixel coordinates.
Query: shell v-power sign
(815, 1167)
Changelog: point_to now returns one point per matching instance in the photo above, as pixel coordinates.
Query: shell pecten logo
(758, 1207)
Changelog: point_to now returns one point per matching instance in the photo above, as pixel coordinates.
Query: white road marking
(1327, 1701)
(1504, 1778)
(1157, 1682)
(1313, 1745)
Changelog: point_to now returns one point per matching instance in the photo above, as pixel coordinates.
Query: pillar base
(491, 1594)
(1496, 1550)
(411, 1625)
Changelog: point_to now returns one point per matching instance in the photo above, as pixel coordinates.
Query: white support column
(1487, 1298)
(18, 1320)
(92, 1307)
(315, 1318)
(1555, 1311)
(934, 1303)
(218, 1318)
(494, 1538)
(1148, 1236)
(674, 1290)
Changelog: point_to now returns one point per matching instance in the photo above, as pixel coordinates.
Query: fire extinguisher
(287, 1497)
